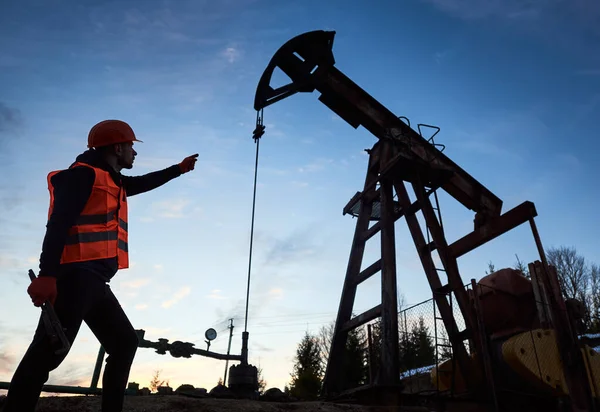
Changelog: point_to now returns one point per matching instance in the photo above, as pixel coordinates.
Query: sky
(514, 87)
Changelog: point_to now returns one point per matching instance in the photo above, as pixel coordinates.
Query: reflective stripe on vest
(100, 231)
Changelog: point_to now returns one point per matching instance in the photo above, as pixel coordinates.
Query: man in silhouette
(86, 243)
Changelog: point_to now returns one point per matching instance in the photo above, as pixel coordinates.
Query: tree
(308, 372)
(156, 382)
(374, 348)
(262, 383)
(491, 268)
(417, 348)
(572, 271)
(522, 267)
(593, 300)
(324, 339)
(355, 364)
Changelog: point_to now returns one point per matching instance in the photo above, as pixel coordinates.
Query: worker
(84, 246)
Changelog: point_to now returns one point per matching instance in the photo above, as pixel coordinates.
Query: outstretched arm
(139, 184)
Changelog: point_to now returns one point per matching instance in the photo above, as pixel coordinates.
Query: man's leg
(71, 303)
(107, 320)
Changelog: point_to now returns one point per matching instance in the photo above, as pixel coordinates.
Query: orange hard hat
(109, 132)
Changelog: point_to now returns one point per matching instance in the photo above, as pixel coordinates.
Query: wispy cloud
(216, 294)
(141, 306)
(316, 165)
(10, 118)
(298, 245)
(231, 54)
(169, 209)
(180, 294)
(440, 56)
(7, 360)
(588, 72)
(477, 9)
(153, 333)
(277, 293)
(135, 283)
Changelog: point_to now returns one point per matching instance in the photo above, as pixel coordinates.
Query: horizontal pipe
(82, 390)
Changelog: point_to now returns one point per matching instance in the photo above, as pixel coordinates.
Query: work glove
(41, 289)
(188, 163)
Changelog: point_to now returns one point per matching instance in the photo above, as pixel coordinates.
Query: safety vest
(100, 232)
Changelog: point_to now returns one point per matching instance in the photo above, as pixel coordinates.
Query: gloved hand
(41, 289)
(188, 163)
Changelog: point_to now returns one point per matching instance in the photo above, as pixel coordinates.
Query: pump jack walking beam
(401, 155)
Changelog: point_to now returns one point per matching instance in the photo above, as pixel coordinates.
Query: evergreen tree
(423, 344)
(416, 348)
(308, 371)
(356, 369)
(374, 352)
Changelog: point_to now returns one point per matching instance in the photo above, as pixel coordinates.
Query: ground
(178, 403)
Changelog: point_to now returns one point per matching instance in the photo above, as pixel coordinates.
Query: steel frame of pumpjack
(403, 156)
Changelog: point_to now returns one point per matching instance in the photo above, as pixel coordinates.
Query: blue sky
(514, 86)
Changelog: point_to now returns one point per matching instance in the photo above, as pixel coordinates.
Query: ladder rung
(430, 247)
(463, 334)
(368, 272)
(362, 318)
(444, 290)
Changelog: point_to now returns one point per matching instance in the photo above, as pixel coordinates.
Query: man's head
(118, 155)
(114, 140)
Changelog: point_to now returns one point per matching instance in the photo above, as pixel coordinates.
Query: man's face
(125, 155)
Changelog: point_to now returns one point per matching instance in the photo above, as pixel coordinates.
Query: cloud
(277, 293)
(477, 9)
(588, 72)
(183, 292)
(297, 246)
(141, 306)
(170, 209)
(135, 284)
(7, 360)
(10, 118)
(316, 165)
(151, 333)
(216, 294)
(231, 54)
(154, 163)
(299, 184)
(440, 56)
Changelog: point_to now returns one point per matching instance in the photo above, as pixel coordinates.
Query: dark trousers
(82, 296)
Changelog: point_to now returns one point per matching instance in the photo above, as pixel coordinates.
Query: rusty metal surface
(494, 228)
(568, 342)
(333, 373)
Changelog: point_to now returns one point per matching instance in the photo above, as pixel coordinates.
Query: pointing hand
(188, 163)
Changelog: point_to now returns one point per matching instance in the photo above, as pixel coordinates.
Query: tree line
(578, 277)
(361, 359)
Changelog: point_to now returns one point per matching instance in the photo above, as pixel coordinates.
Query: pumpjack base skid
(401, 157)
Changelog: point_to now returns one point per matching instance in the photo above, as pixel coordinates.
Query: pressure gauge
(210, 334)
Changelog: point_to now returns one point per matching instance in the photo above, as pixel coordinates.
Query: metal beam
(494, 228)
